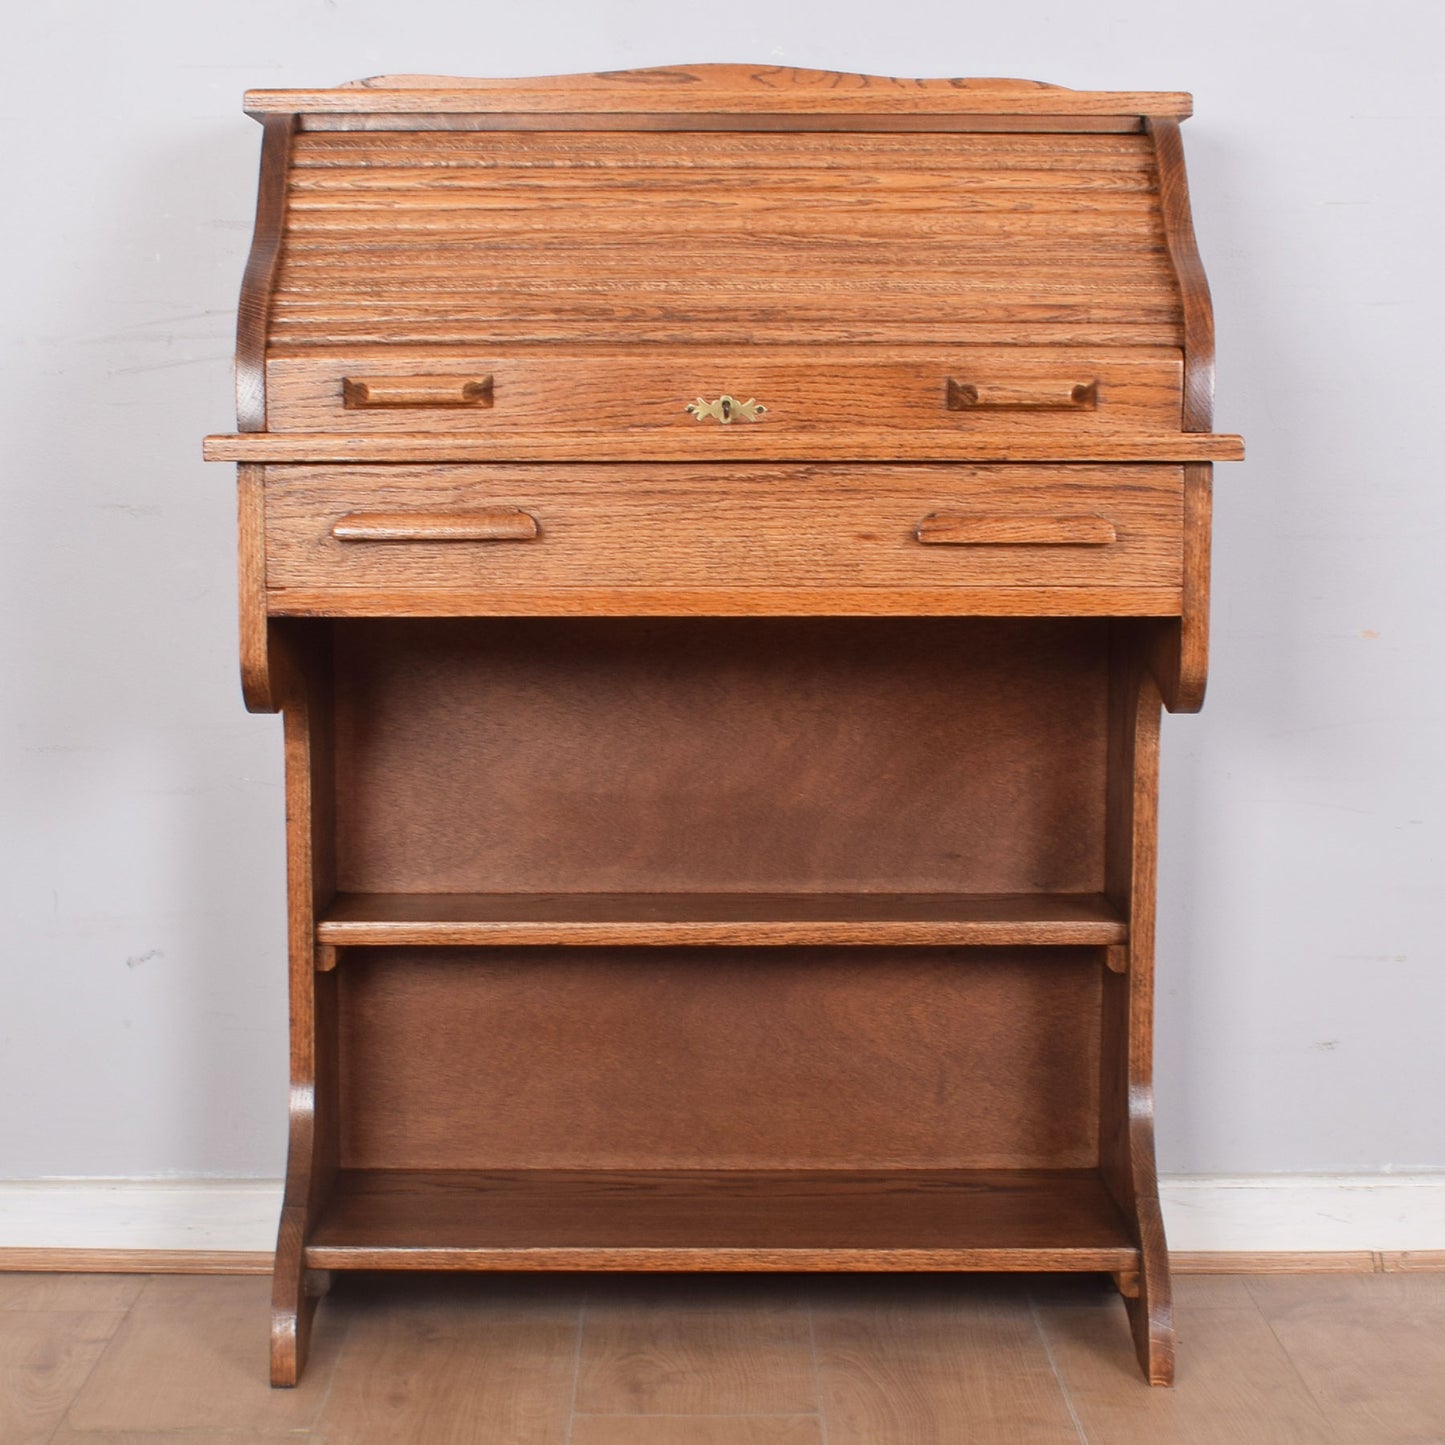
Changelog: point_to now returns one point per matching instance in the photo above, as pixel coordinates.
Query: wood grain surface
(450, 239)
(110, 1274)
(311, 1158)
(771, 89)
(720, 755)
(499, 1366)
(761, 919)
(732, 447)
(1178, 648)
(1367, 1348)
(1126, 1134)
(850, 1359)
(254, 627)
(478, 524)
(678, 1058)
(773, 1220)
(1241, 1385)
(700, 602)
(721, 846)
(902, 1364)
(970, 529)
(755, 122)
(189, 1354)
(845, 392)
(380, 392)
(258, 286)
(1198, 412)
(656, 527)
(45, 1357)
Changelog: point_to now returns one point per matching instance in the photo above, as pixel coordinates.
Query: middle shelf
(734, 918)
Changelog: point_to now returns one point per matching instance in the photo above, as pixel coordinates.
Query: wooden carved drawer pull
(726, 409)
(367, 391)
(494, 524)
(951, 529)
(1042, 395)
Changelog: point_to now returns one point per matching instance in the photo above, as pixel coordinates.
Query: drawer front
(615, 539)
(742, 402)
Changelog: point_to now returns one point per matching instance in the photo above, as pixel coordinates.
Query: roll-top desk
(720, 540)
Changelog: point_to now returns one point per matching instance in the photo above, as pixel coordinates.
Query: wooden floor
(777, 1360)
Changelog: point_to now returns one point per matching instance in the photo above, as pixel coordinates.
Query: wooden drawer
(622, 539)
(697, 403)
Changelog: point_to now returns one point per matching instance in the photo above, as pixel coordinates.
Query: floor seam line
(64, 1420)
(817, 1375)
(697, 1414)
(345, 1340)
(576, 1369)
(1068, 1398)
(1315, 1400)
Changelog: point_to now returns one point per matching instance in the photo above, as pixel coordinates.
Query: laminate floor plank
(1235, 1382)
(191, 1354)
(1097, 1291)
(1419, 1291)
(45, 1358)
(1370, 1347)
(66, 1436)
(92, 1292)
(1211, 1292)
(453, 1360)
(676, 1346)
(1311, 1359)
(931, 1362)
(697, 1430)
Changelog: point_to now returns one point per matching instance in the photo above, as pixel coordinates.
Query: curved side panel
(1189, 271)
(254, 311)
(292, 1307)
(1151, 1310)
(256, 681)
(1179, 648)
(1126, 1142)
(310, 881)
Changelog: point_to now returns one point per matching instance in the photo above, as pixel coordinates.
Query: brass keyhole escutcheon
(726, 409)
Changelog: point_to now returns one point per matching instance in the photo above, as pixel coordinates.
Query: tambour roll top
(478, 239)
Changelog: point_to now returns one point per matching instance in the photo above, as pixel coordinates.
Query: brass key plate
(727, 409)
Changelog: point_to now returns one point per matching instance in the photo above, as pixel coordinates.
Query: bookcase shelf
(755, 919)
(719, 1220)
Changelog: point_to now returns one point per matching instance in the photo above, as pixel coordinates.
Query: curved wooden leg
(1126, 1054)
(1128, 1168)
(293, 1307)
(295, 1293)
(1151, 1310)
(295, 1290)
(311, 1161)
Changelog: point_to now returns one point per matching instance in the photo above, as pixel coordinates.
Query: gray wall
(1302, 987)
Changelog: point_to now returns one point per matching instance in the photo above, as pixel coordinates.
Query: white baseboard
(1304, 1213)
(1295, 1213)
(191, 1216)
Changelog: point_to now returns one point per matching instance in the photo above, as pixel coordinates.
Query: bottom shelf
(734, 1220)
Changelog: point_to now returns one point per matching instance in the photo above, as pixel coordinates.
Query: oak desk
(720, 539)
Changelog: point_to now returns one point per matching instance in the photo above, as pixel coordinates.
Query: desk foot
(293, 1304)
